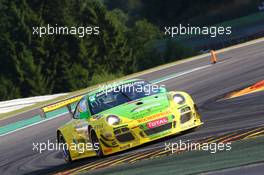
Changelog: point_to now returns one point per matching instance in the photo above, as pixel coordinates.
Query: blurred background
(131, 39)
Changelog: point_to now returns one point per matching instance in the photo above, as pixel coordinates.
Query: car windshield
(118, 95)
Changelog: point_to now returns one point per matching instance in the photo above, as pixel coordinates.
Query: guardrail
(12, 105)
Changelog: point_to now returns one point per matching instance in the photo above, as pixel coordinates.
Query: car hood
(141, 107)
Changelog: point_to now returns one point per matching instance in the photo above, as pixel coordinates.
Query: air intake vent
(158, 129)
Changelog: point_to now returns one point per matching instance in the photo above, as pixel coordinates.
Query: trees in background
(33, 65)
(130, 40)
(194, 12)
(20, 71)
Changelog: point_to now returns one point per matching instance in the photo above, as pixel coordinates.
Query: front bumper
(138, 132)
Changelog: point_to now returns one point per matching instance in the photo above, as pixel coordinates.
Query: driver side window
(82, 107)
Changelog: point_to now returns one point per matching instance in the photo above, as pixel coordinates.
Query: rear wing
(66, 103)
(61, 104)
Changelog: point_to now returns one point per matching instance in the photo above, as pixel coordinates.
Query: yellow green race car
(124, 115)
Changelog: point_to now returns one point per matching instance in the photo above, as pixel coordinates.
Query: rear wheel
(96, 144)
(65, 149)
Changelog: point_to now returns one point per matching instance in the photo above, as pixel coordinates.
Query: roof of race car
(107, 86)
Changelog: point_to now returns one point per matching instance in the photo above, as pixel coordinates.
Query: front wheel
(96, 144)
(65, 149)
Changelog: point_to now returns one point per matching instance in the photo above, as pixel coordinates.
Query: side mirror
(162, 89)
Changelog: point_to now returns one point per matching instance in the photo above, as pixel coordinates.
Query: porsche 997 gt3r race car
(125, 115)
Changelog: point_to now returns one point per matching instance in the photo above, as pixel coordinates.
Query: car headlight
(179, 99)
(113, 120)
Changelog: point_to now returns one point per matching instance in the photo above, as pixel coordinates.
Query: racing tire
(65, 151)
(96, 144)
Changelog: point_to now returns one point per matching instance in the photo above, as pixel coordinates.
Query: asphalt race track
(236, 69)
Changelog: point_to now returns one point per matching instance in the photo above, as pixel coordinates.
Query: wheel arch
(58, 135)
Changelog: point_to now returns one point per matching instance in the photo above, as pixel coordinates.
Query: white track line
(182, 73)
